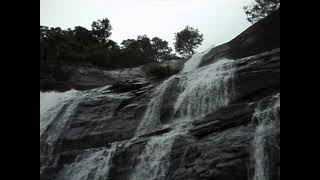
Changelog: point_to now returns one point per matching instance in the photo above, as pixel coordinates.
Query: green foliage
(82, 36)
(155, 48)
(157, 70)
(59, 74)
(140, 47)
(260, 9)
(99, 57)
(81, 46)
(187, 40)
(101, 30)
(160, 49)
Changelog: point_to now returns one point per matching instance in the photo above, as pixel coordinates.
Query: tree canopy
(161, 49)
(260, 9)
(80, 45)
(155, 48)
(101, 29)
(187, 40)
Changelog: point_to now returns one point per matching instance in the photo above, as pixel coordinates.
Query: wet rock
(216, 146)
(260, 37)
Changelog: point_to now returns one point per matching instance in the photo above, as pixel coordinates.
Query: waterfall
(50, 104)
(155, 158)
(55, 110)
(195, 60)
(268, 119)
(152, 113)
(206, 89)
(92, 164)
(57, 107)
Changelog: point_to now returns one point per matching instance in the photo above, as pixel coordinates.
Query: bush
(59, 74)
(99, 57)
(158, 70)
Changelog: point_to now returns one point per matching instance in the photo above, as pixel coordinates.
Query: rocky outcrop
(65, 77)
(218, 145)
(260, 37)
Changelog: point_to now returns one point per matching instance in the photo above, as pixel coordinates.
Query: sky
(218, 20)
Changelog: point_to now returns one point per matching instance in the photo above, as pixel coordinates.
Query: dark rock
(218, 156)
(222, 119)
(259, 79)
(169, 99)
(156, 132)
(217, 146)
(260, 37)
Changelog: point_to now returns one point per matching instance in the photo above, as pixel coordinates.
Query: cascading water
(152, 113)
(155, 160)
(206, 89)
(51, 103)
(93, 164)
(194, 61)
(268, 119)
(55, 110)
(203, 91)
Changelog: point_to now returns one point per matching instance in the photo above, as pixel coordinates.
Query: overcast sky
(218, 20)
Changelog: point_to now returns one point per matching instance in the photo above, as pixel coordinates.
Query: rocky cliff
(219, 121)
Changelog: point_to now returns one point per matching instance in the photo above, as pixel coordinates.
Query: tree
(101, 30)
(144, 46)
(141, 47)
(260, 9)
(160, 49)
(55, 35)
(44, 30)
(111, 45)
(82, 35)
(187, 40)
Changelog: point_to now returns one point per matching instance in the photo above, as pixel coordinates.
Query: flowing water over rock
(152, 114)
(55, 111)
(218, 119)
(91, 164)
(267, 116)
(51, 103)
(195, 61)
(206, 89)
(203, 91)
(154, 161)
(204, 133)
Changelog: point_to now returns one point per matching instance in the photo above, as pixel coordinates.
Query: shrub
(157, 70)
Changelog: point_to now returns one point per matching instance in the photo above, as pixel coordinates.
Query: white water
(55, 110)
(194, 61)
(50, 103)
(152, 113)
(206, 89)
(203, 91)
(155, 158)
(268, 119)
(92, 164)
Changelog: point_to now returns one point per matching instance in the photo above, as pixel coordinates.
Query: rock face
(262, 36)
(235, 139)
(65, 77)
